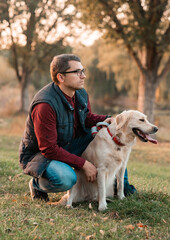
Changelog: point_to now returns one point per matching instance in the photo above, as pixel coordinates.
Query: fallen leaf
(25, 197)
(77, 228)
(105, 218)
(38, 205)
(52, 203)
(25, 204)
(141, 225)
(114, 215)
(96, 224)
(90, 236)
(10, 178)
(164, 220)
(130, 227)
(113, 230)
(33, 230)
(12, 234)
(83, 234)
(147, 233)
(101, 232)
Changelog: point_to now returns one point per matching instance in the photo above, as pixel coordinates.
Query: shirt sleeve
(44, 120)
(92, 119)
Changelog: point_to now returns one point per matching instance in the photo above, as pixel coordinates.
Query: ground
(141, 216)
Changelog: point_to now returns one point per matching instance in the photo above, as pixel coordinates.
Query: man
(58, 131)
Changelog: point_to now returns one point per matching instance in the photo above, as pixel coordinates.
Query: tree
(144, 29)
(33, 31)
(95, 82)
(114, 59)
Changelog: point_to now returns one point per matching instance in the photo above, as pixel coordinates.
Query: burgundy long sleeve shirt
(44, 120)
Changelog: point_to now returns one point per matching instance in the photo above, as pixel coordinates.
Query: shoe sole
(30, 187)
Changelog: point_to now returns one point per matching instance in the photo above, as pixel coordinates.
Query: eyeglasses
(78, 71)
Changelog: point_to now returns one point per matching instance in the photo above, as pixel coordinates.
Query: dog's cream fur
(110, 160)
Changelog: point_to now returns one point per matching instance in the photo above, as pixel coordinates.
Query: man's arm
(44, 120)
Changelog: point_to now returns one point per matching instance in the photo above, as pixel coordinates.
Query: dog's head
(136, 124)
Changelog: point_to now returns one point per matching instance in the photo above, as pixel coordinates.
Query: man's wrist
(83, 163)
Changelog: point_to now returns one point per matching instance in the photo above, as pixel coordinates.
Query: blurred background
(124, 46)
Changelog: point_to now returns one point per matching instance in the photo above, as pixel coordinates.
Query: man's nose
(83, 75)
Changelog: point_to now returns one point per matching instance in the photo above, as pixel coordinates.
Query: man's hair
(60, 64)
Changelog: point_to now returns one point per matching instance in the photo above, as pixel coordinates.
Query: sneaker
(129, 189)
(36, 194)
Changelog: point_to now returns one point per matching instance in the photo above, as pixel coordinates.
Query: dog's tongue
(151, 139)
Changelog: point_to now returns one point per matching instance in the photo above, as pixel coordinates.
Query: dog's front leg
(120, 183)
(101, 189)
(70, 197)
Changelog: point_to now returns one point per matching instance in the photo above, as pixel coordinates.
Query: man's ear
(60, 77)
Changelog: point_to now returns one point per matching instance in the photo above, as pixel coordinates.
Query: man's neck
(67, 91)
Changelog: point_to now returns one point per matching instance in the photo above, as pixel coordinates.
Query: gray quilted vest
(52, 95)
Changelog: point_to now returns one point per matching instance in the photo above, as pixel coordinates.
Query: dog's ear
(121, 120)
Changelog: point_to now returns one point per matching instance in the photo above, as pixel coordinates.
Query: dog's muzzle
(144, 137)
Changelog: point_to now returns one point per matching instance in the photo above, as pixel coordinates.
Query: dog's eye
(142, 120)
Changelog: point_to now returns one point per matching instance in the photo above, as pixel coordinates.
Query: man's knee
(64, 182)
(60, 176)
(69, 181)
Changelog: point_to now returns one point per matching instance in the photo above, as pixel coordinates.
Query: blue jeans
(59, 176)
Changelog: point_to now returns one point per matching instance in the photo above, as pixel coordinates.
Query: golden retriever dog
(109, 152)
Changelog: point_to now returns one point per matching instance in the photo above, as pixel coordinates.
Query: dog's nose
(155, 129)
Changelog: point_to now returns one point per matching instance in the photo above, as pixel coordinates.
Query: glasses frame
(78, 71)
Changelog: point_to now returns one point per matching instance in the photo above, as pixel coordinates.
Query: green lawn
(144, 216)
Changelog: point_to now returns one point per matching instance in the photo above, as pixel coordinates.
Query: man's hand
(90, 171)
(109, 120)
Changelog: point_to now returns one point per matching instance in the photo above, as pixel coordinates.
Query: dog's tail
(61, 202)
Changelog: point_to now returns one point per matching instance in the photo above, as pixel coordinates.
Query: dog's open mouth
(143, 136)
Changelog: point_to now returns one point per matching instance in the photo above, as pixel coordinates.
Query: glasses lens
(83, 70)
(80, 72)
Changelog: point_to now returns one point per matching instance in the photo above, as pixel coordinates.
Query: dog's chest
(114, 161)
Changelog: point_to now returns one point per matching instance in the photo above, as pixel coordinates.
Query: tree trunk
(24, 94)
(146, 95)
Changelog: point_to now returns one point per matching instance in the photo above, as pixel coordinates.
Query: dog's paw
(102, 207)
(68, 206)
(63, 200)
(121, 196)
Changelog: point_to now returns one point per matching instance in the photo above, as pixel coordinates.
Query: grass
(142, 216)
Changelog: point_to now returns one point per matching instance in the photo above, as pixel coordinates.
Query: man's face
(74, 81)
